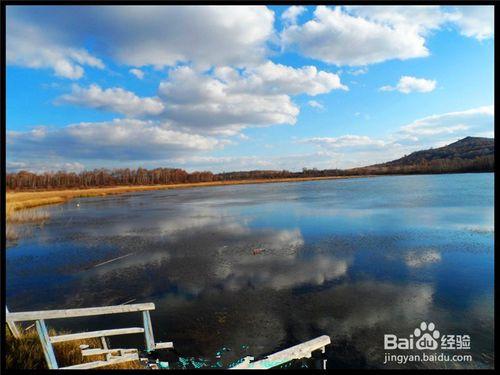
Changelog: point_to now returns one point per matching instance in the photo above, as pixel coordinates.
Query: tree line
(24, 180)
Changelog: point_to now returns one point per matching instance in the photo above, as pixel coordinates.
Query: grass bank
(28, 199)
(25, 353)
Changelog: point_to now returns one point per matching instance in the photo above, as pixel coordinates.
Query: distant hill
(470, 154)
(467, 148)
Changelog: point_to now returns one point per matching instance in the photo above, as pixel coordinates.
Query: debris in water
(258, 250)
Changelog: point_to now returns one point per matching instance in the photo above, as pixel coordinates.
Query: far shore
(28, 199)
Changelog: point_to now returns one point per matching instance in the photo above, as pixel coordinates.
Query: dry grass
(22, 200)
(14, 230)
(26, 353)
(35, 215)
(11, 233)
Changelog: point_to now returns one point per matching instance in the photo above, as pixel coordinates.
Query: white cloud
(357, 72)
(336, 37)
(30, 46)
(229, 101)
(459, 123)
(277, 78)
(219, 101)
(480, 118)
(44, 165)
(315, 104)
(291, 14)
(475, 21)
(52, 37)
(120, 139)
(113, 99)
(417, 19)
(361, 35)
(408, 84)
(204, 103)
(346, 141)
(146, 35)
(137, 72)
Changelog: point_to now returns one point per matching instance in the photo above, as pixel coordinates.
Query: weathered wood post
(148, 331)
(12, 325)
(104, 342)
(48, 350)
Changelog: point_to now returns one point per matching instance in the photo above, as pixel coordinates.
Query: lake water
(258, 268)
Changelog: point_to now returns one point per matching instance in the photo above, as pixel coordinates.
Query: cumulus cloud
(361, 35)
(113, 99)
(137, 72)
(191, 108)
(337, 37)
(408, 84)
(281, 79)
(52, 37)
(223, 100)
(475, 21)
(419, 19)
(33, 47)
(291, 14)
(204, 103)
(120, 139)
(146, 35)
(228, 101)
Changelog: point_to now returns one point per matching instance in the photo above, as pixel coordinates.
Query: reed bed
(33, 215)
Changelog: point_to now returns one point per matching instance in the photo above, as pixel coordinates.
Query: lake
(258, 268)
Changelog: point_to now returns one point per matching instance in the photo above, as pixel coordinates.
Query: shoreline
(20, 200)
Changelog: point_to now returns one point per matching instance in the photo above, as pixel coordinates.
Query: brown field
(29, 199)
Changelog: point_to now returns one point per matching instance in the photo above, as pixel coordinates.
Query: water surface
(258, 268)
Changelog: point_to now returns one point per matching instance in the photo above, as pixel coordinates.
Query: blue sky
(241, 88)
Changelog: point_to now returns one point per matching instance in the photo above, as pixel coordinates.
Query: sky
(226, 88)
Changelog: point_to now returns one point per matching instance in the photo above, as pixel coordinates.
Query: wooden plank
(10, 323)
(242, 365)
(48, 350)
(299, 351)
(92, 334)
(89, 352)
(104, 342)
(164, 345)
(72, 313)
(111, 361)
(148, 331)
